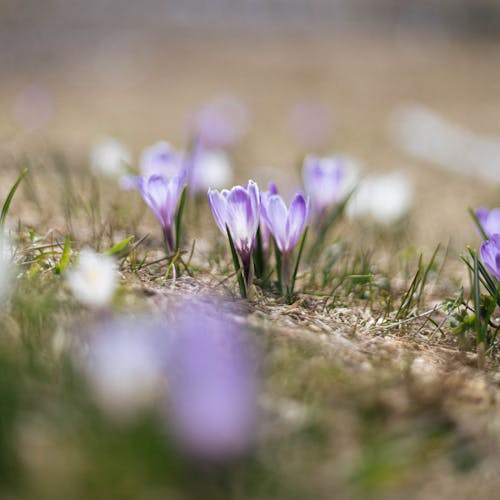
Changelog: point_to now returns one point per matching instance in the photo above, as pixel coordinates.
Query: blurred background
(398, 85)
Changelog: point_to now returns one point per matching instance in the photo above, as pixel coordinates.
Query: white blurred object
(110, 158)
(211, 169)
(427, 135)
(384, 198)
(6, 266)
(93, 282)
(123, 367)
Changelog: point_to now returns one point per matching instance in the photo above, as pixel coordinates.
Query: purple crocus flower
(221, 122)
(161, 159)
(212, 386)
(328, 181)
(489, 220)
(238, 209)
(490, 255)
(286, 225)
(162, 194)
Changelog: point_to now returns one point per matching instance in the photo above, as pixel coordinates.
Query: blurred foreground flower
(384, 198)
(237, 211)
(124, 366)
(489, 220)
(490, 255)
(328, 181)
(213, 386)
(110, 158)
(94, 280)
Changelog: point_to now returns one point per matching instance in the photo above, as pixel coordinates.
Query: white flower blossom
(110, 158)
(93, 282)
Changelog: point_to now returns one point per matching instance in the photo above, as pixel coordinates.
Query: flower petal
(297, 218)
(218, 204)
(275, 214)
(490, 255)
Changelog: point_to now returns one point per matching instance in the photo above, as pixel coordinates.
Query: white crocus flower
(385, 198)
(93, 282)
(110, 158)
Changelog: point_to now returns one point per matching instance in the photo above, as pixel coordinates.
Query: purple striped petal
(218, 204)
(297, 218)
(275, 214)
(490, 255)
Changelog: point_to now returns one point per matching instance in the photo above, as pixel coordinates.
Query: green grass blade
(477, 300)
(478, 224)
(258, 256)
(8, 200)
(237, 266)
(279, 267)
(297, 261)
(119, 247)
(178, 218)
(65, 257)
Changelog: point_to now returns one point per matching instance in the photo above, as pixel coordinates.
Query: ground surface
(352, 407)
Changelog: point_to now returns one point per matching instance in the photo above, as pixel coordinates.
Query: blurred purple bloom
(265, 232)
(161, 159)
(490, 255)
(239, 210)
(213, 387)
(310, 123)
(221, 122)
(162, 195)
(285, 224)
(489, 220)
(323, 180)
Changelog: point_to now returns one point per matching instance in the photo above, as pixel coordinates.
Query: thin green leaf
(65, 257)
(477, 300)
(178, 218)
(279, 267)
(8, 200)
(119, 247)
(297, 261)
(478, 224)
(237, 266)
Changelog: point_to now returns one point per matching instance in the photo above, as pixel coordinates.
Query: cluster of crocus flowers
(240, 212)
(489, 221)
